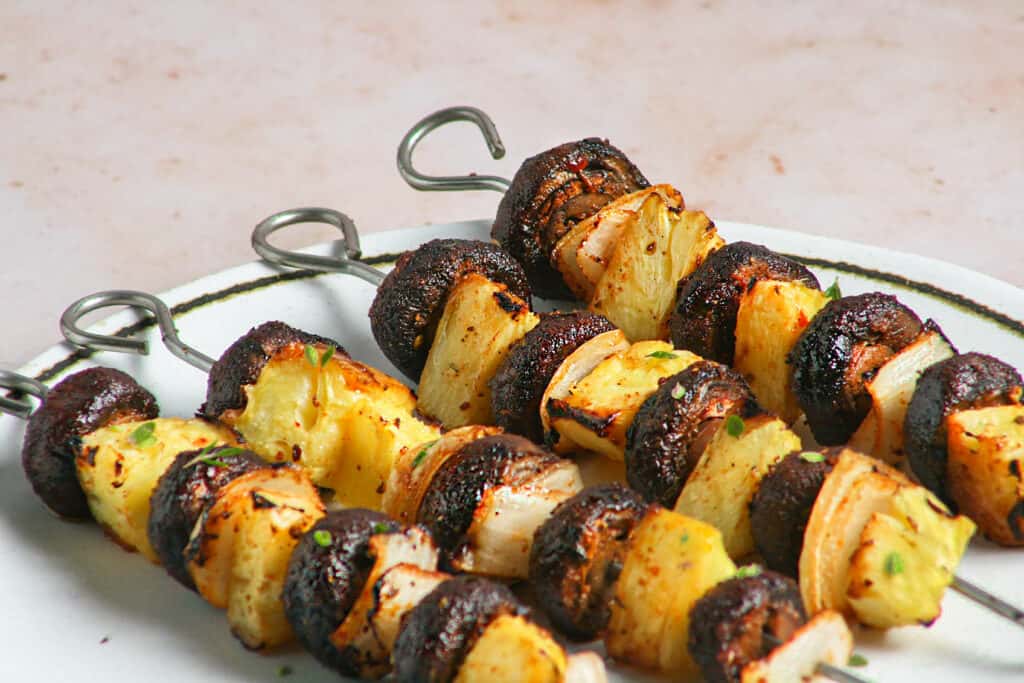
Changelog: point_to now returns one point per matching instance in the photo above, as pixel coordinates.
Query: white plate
(75, 607)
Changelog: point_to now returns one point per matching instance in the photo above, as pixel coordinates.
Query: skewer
(19, 383)
(831, 671)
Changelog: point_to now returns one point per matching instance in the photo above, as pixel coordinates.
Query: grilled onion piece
(771, 317)
(986, 469)
(583, 253)
(119, 465)
(673, 426)
(523, 376)
(729, 473)
(964, 382)
(598, 409)
(183, 492)
(657, 249)
(481, 321)
(840, 352)
(410, 301)
(552, 192)
(77, 405)
(238, 554)
(824, 639)
(704, 318)
(577, 556)
(671, 562)
(729, 622)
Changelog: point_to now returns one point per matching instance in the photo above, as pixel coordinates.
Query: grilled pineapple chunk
(986, 469)
(513, 649)
(655, 251)
(727, 475)
(881, 432)
(671, 562)
(342, 421)
(582, 254)
(771, 317)
(119, 466)
(879, 547)
(573, 369)
(240, 549)
(598, 409)
(481, 320)
(906, 560)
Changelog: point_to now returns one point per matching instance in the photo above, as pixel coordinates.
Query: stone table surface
(140, 142)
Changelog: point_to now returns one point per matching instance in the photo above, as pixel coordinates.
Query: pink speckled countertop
(141, 143)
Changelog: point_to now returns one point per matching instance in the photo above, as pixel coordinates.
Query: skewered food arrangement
(716, 469)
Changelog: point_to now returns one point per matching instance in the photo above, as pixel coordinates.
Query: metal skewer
(13, 381)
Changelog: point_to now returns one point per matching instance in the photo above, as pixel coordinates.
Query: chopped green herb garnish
(283, 671)
(381, 528)
(833, 292)
(678, 391)
(747, 571)
(857, 659)
(685, 538)
(734, 425)
(894, 564)
(327, 355)
(213, 462)
(144, 435)
(312, 356)
(812, 456)
(662, 355)
(418, 460)
(322, 537)
(228, 452)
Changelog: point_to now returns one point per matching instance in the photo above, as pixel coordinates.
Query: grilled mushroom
(577, 556)
(963, 382)
(549, 194)
(672, 427)
(839, 353)
(78, 405)
(704, 319)
(441, 630)
(412, 297)
(521, 379)
(729, 624)
(782, 505)
(241, 364)
(182, 494)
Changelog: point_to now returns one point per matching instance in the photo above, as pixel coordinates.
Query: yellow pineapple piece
(513, 649)
(728, 474)
(598, 409)
(771, 317)
(656, 250)
(481, 320)
(119, 466)
(671, 562)
(986, 469)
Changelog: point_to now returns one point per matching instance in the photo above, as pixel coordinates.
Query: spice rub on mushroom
(410, 301)
(729, 624)
(839, 353)
(704, 318)
(524, 375)
(78, 405)
(550, 193)
(675, 424)
(577, 556)
(181, 495)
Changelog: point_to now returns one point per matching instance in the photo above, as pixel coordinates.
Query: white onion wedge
(824, 639)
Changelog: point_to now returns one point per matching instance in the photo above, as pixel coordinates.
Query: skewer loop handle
(13, 381)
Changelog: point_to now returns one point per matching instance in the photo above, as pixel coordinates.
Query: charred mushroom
(840, 352)
(549, 194)
(963, 382)
(182, 494)
(577, 556)
(412, 297)
(521, 379)
(782, 505)
(675, 423)
(704, 319)
(79, 404)
(729, 624)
